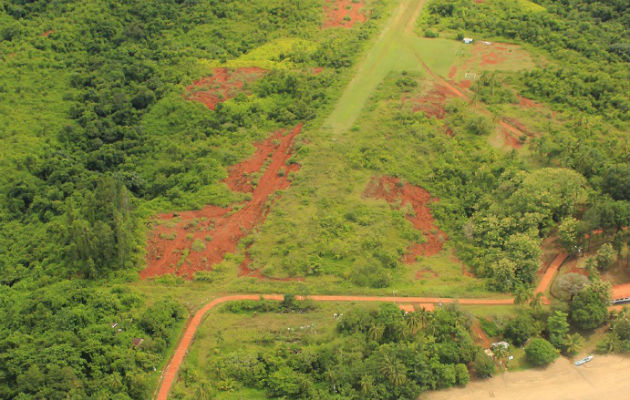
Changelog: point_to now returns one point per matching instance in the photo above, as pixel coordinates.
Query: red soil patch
(343, 13)
(317, 70)
(426, 274)
(550, 272)
(491, 58)
(479, 1)
(510, 140)
(222, 85)
(432, 103)
(392, 190)
(621, 291)
(452, 72)
(479, 336)
(170, 248)
(518, 125)
(465, 84)
(48, 33)
(527, 103)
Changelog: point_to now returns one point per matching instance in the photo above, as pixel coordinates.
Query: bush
(430, 34)
(461, 372)
(483, 365)
(540, 352)
(519, 329)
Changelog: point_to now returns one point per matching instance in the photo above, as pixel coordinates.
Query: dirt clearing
(343, 13)
(392, 190)
(190, 241)
(606, 377)
(222, 85)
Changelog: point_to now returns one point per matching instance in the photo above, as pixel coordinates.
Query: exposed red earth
(48, 33)
(479, 336)
(621, 291)
(527, 103)
(223, 84)
(392, 190)
(510, 140)
(169, 373)
(433, 102)
(452, 72)
(550, 273)
(192, 241)
(343, 13)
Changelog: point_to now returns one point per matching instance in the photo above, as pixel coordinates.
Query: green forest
(99, 137)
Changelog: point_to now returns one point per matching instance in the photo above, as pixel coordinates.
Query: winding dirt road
(170, 372)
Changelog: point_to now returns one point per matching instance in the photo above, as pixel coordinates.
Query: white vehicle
(583, 361)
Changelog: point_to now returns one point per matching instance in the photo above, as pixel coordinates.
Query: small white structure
(505, 345)
(468, 40)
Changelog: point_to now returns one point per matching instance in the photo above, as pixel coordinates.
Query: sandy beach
(604, 378)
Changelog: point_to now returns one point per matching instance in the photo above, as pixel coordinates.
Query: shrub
(430, 34)
(519, 329)
(483, 365)
(540, 352)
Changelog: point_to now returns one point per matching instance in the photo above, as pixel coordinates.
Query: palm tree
(414, 320)
(367, 384)
(376, 331)
(573, 343)
(393, 369)
(424, 316)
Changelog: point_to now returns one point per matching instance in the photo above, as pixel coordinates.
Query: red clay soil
(343, 13)
(465, 84)
(527, 103)
(621, 291)
(452, 72)
(432, 103)
(391, 190)
(169, 373)
(550, 272)
(510, 140)
(222, 85)
(48, 33)
(518, 125)
(479, 336)
(170, 248)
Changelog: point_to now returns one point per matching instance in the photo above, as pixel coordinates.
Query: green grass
(439, 54)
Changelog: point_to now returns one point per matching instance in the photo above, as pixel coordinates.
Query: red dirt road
(170, 371)
(550, 273)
